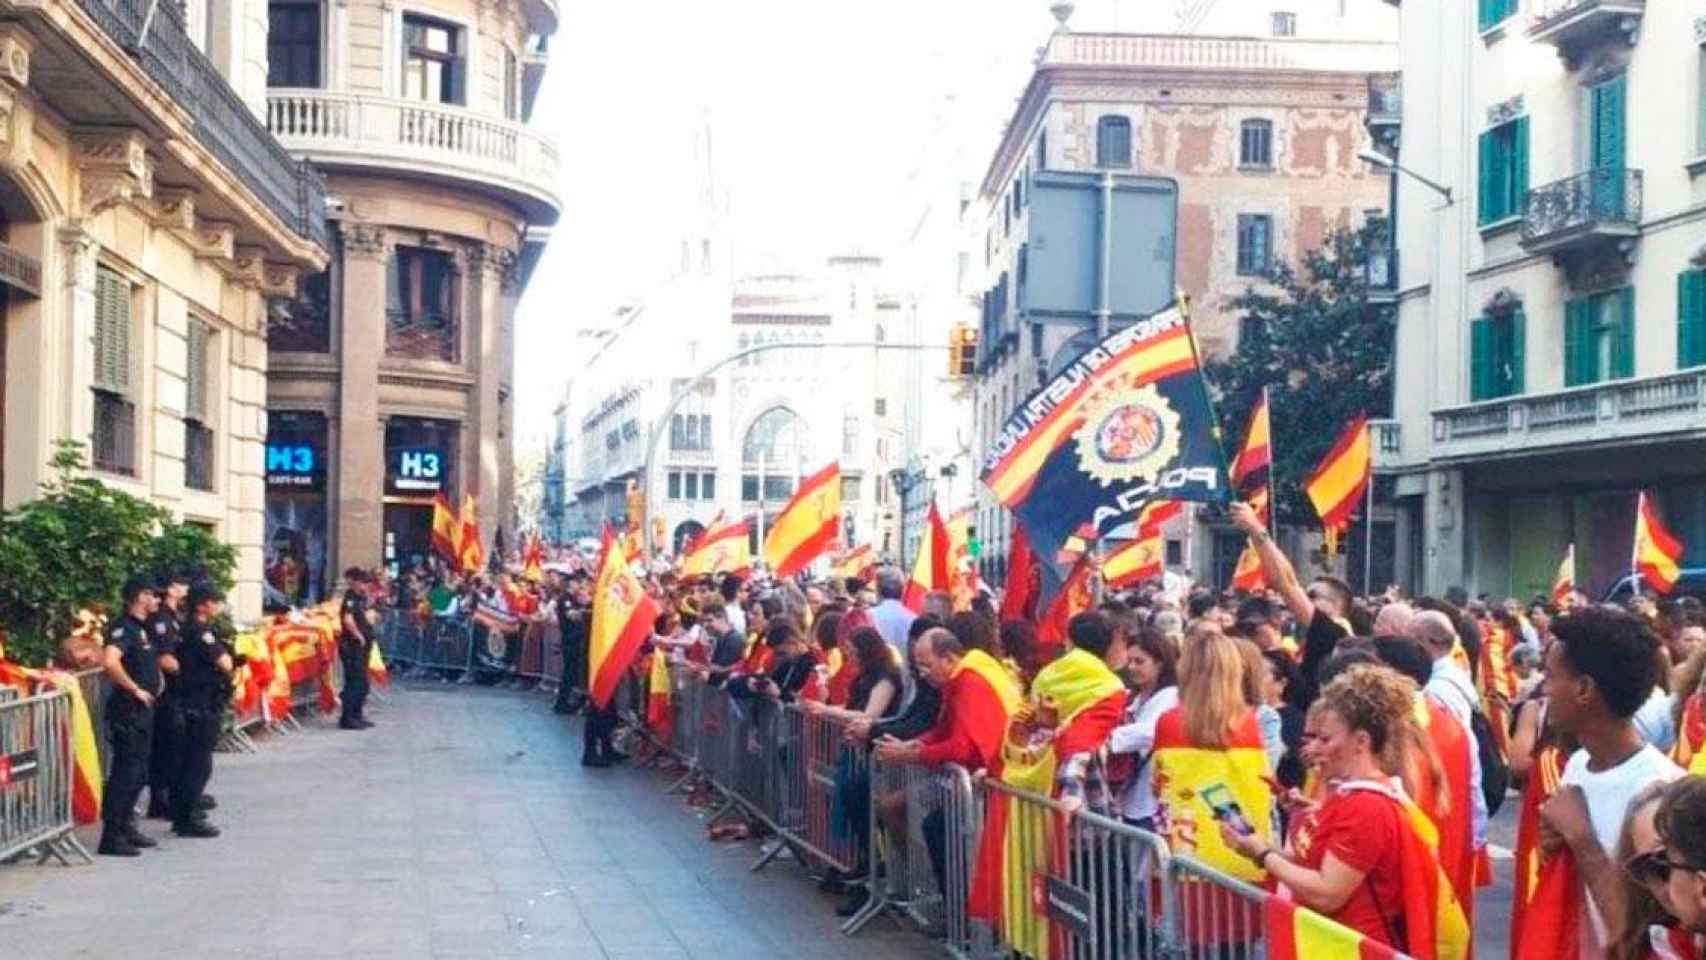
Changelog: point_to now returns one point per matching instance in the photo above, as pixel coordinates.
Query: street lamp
(1375, 158)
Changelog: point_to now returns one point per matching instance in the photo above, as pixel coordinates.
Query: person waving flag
(622, 618)
(807, 525)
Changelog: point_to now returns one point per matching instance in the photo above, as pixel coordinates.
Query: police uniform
(200, 689)
(354, 651)
(571, 633)
(164, 756)
(130, 728)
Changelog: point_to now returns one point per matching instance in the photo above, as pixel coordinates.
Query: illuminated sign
(418, 470)
(292, 465)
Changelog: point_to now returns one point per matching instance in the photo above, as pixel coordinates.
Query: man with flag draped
(1051, 749)
(807, 525)
(622, 618)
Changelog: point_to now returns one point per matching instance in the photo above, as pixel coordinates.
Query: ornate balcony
(1573, 26)
(1387, 441)
(1588, 209)
(358, 131)
(1601, 412)
(1385, 107)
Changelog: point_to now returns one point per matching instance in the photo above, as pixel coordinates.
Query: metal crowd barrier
(1216, 917)
(95, 687)
(36, 779)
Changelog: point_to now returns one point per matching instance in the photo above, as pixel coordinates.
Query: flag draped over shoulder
(1337, 486)
(721, 549)
(930, 568)
(1448, 805)
(1551, 919)
(622, 618)
(807, 525)
(1658, 551)
(1126, 422)
(1023, 843)
(1544, 776)
(1434, 923)
(979, 698)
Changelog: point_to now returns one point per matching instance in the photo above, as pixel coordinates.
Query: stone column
(68, 359)
(1444, 519)
(510, 296)
(360, 475)
(487, 264)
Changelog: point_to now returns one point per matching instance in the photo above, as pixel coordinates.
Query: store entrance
(408, 535)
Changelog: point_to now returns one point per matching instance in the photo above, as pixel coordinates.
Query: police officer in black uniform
(132, 666)
(204, 669)
(163, 631)
(355, 646)
(574, 613)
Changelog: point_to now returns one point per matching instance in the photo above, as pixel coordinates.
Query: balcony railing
(341, 128)
(1385, 100)
(1387, 438)
(293, 191)
(1601, 204)
(1620, 409)
(1571, 25)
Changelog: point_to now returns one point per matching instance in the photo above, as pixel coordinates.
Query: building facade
(1256, 127)
(1550, 310)
(147, 219)
(391, 373)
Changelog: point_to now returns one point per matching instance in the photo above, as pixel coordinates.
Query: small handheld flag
(1658, 552)
(1337, 486)
(807, 525)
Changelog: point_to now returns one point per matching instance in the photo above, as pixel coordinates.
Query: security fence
(36, 779)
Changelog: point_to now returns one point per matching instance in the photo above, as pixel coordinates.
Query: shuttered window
(1495, 12)
(112, 332)
(195, 393)
(1503, 171)
(1691, 319)
(1496, 356)
(1599, 337)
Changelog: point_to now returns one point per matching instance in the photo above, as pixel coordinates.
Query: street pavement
(461, 826)
(1493, 903)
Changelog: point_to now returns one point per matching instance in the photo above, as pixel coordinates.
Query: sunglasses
(1653, 867)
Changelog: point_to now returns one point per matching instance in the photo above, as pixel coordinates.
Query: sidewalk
(461, 826)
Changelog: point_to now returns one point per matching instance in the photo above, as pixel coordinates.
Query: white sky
(820, 111)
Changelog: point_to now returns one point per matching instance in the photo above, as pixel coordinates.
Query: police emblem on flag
(1127, 434)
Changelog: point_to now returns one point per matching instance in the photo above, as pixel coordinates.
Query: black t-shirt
(200, 681)
(1320, 639)
(140, 656)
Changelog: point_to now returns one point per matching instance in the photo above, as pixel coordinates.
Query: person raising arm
(1321, 608)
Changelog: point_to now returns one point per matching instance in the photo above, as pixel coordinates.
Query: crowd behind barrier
(1106, 890)
(456, 648)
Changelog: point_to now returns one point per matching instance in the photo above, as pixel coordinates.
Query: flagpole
(1368, 539)
(1635, 550)
(1273, 468)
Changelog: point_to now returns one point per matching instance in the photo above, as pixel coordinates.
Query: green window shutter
(195, 401)
(1481, 359)
(1519, 164)
(1690, 318)
(1517, 353)
(112, 332)
(1700, 103)
(1608, 120)
(1485, 196)
(1623, 335)
(1580, 363)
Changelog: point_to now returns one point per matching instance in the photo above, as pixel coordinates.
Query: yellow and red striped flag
(469, 554)
(930, 568)
(1255, 457)
(721, 549)
(1296, 933)
(1134, 563)
(1564, 583)
(856, 563)
(807, 525)
(1339, 482)
(446, 527)
(1247, 575)
(533, 558)
(623, 615)
(658, 693)
(962, 569)
(378, 673)
(1658, 552)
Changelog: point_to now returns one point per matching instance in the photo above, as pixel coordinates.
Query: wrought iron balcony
(293, 191)
(1385, 106)
(1575, 25)
(1601, 205)
(1617, 410)
(1387, 440)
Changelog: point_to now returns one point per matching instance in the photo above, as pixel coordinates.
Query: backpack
(1495, 771)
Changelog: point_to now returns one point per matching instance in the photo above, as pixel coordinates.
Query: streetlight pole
(681, 394)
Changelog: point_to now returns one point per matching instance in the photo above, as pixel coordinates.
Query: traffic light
(962, 352)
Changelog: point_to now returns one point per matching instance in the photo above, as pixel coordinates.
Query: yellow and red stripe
(722, 548)
(623, 615)
(930, 568)
(1256, 455)
(1139, 560)
(1658, 551)
(1338, 483)
(659, 716)
(807, 525)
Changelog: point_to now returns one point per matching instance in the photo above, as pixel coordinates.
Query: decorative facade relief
(1505, 111)
(113, 167)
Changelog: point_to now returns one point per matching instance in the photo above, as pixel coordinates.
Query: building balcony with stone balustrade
(1643, 409)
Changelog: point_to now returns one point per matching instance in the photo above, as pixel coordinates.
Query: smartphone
(1226, 809)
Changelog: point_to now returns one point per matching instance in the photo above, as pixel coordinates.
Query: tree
(1323, 352)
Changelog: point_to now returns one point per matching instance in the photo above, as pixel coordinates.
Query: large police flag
(1125, 423)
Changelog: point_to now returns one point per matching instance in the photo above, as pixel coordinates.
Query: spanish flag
(622, 618)
(1337, 487)
(856, 563)
(1295, 933)
(1564, 583)
(1255, 457)
(807, 525)
(1691, 732)
(977, 701)
(1141, 559)
(1658, 552)
(1024, 843)
(1075, 597)
(1551, 919)
(962, 570)
(1018, 600)
(930, 568)
(1496, 681)
(377, 672)
(469, 554)
(1448, 805)
(446, 527)
(86, 781)
(1544, 776)
(1247, 576)
(533, 559)
(658, 693)
(721, 549)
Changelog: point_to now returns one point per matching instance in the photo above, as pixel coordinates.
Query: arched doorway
(685, 532)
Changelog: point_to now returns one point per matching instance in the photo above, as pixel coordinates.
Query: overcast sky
(819, 112)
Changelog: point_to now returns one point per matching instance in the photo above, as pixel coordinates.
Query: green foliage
(77, 544)
(1322, 351)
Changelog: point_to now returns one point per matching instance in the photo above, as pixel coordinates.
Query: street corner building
(391, 371)
(147, 221)
(1552, 315)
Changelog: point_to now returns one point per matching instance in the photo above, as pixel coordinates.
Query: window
(1496, 356)
(1504, 171)
(1256, 143)
(1690, 319)
(1113, 142)
(672, 485)
(882, 406)
(1251, 332)
(1606, 102)
(198, 431)
(1042, 149)
(849, 435)
(1284, 24)
(1255, 244)
(305, 324)
(512, 86)
(849, 489)
(293, 44)
(421, 308)
(433, 68)
(708, 486)
(749, 487)
(1599, 337)
(690, 486)
(114, 439)
(1495, 12)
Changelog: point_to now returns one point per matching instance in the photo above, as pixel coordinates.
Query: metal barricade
(827, 770)
(36, 779)
(551, 664)
(95, 687)
(530, 661)
(400, 639)
(1215, 917)
(909, 875)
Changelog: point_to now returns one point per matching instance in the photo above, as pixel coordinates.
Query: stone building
(147, 217)
(391, 374)
(1258, 125)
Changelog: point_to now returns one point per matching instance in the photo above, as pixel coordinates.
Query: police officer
(574, 611)
(203, 666)
(132, 666)
(355, 646)
(163, 631)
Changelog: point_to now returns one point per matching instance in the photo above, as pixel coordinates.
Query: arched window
(1113, 142)
(1255, 144)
